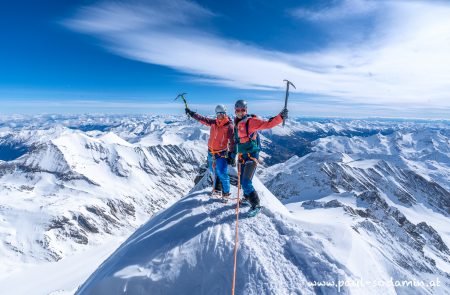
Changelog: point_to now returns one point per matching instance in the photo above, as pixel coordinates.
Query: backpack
(251, 146)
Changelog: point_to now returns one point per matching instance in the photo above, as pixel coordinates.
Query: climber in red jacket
(221, 147)
(248, 146)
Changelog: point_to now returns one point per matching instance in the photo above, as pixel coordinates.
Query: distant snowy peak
(112, 138)
(108, 153)
(320, 174)
(415, 248)
(45, 157)
(82, 185)
(417, 144)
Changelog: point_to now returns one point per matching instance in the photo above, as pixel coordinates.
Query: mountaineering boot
(244, 201)
(217, 190)
(253, 199)
(225, 197)
(216, 193)
(253, 212)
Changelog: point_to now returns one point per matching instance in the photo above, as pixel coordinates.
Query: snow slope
(389, 183)
(71, 190)
(189, 248)
(60, 277)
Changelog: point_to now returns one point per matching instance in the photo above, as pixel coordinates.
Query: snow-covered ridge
(189, 246)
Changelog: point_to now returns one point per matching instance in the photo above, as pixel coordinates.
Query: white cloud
(337, 10)
(407, 60)
(112, 17)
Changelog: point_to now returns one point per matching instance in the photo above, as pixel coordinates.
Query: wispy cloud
(337, 10)
(406, 60)
(112, 17)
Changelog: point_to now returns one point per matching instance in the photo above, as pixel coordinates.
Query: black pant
(248, 168)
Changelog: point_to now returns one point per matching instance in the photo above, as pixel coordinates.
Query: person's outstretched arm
(257, 123)
(204, 120)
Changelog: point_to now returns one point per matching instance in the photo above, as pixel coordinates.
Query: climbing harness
(242, 161)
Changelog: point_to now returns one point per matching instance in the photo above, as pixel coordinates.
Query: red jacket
(221, 136)
(254, 124)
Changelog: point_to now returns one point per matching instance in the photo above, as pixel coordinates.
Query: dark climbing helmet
(240, 104)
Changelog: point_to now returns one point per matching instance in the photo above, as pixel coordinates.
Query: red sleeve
(257, 123)
(204, 120)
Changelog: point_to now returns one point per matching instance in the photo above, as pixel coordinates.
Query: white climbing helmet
(221, 109)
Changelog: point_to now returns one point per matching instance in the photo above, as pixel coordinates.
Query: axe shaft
(185, 102)
(287, 96)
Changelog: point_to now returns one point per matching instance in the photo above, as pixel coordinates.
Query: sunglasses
(221, 113)
(240, 110)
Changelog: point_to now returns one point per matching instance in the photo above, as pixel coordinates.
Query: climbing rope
(236, 241)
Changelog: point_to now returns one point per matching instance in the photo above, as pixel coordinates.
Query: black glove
(284, 114)
(231, 160)
(189, 112)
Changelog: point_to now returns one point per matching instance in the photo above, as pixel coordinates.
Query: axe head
(180, 95)
(289, 82)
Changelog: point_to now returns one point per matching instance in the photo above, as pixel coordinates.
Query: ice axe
(182, 97)
(287, 95)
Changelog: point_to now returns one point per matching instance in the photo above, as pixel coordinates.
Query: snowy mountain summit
(188, 249)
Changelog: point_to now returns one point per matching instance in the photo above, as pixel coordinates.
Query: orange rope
(237, 229)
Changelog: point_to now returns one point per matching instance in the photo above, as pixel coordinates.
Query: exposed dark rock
(436, 195)
(391, 220)
(26, 188)
(85, 223)
(77, 236)
(59, 222)
(100, 213)
(434, 238)
(203, 169)
(127, 208)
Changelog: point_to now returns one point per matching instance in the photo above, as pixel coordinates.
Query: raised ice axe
(182, 97)
(287, 95)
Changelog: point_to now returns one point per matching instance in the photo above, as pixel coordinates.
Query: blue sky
(348, 58)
